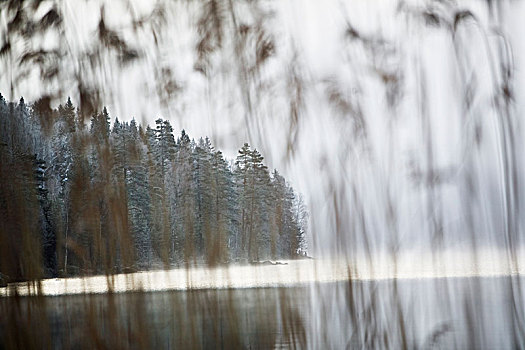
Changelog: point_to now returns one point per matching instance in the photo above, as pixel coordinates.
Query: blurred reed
(458, 183)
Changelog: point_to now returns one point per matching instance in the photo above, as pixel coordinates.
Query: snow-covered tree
(104, 200)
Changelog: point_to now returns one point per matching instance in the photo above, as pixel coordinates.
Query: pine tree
(131, 174)
(253, 183)
(259, 229)
(61, 165)
(203, 195)
(160, 225)
(244, 174)
(223, 239)
(301, 219)
(185, 199)
(287, 233)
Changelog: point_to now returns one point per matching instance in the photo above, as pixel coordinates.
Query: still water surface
(435, 313)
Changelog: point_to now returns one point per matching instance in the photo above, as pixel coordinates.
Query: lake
(463, 312)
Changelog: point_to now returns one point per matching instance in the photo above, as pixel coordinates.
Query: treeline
(84, 198)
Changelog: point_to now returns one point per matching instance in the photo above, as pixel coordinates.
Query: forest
(82, 197)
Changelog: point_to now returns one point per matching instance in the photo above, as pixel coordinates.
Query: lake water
(480, 312)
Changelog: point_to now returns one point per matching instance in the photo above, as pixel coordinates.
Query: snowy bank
(286, 273)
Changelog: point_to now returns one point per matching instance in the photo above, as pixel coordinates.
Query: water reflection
(479, 316)
(224, 319)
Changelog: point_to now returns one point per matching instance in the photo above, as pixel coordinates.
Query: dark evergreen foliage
(101, 199)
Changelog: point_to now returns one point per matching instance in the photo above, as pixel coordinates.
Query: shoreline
(287, 273)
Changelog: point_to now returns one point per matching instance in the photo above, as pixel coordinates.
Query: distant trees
(101, 198)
